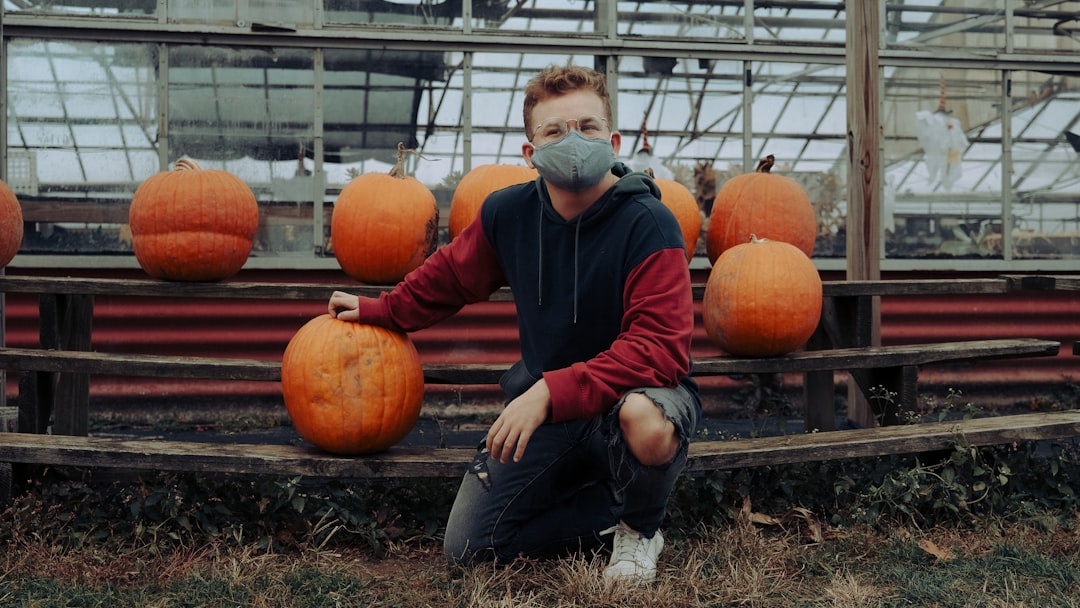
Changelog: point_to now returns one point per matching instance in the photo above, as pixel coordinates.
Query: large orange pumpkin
(769, 205)
(683, 205)
(351, 388)
(11, 225)
(762, 299)
(384, 225)
(476, 185)
(193, 224)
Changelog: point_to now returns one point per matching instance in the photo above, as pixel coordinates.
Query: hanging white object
(888, 204)
(643, 160)
(943, 141)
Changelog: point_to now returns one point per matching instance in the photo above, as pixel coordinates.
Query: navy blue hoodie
(603, 300)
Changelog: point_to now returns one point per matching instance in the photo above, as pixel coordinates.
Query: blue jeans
(576, 479)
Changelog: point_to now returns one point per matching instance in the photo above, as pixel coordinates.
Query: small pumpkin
(11, 225)
(762, 299)
(384, 225)
(193, 224)
(770, 205)
(351, 388)
(476, 185)
(683, 205)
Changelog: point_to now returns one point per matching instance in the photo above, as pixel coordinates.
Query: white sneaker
(633, 557)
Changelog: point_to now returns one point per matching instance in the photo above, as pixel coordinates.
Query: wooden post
(864, 175)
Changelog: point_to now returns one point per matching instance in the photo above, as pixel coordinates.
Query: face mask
(574, 162)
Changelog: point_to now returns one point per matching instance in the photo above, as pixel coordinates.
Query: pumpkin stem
(398, 170)
(187, 164)
(766, 164)
(755, 239)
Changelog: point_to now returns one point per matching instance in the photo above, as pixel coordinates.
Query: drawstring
(540, 257)
(540, 260)
(577, 232)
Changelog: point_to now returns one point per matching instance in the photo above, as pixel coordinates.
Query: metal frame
(610, 49)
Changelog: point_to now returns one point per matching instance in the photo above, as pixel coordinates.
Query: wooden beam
(883, 441)
(114, 364)
(864, 142)
(413, 462)
(864, 173)
(231, 289)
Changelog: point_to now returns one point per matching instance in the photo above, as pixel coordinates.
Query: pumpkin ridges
(762, 298)
(771, 205)
(380, 241)
(193, 224)
(351, 388)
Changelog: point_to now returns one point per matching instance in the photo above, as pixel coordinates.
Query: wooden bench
(66, 313)
(841, 343)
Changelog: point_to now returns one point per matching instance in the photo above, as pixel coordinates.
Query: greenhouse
(977, 166)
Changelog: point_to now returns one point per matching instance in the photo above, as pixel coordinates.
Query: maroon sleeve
(652, 349)
(459, 273)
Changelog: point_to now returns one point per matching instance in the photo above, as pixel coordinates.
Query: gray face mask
(574, 162)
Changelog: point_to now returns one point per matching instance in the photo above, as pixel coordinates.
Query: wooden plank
(180, 289)
(227, 289)
(214, 368)
(411, 462)
(313, 291)
(202, 457)
(878, 356)
(913, 287)
(882, 441)
(489, 373)
(115, 364)
(1061, 282)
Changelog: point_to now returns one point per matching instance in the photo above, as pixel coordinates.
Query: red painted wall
(487, 332)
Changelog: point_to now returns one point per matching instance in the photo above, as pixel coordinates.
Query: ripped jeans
(576, 479)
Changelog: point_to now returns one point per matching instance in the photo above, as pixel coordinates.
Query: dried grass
(748, 564)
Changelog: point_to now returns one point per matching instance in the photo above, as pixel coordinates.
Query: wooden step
(411, 462)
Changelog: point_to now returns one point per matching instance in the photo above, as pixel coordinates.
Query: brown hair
(554, 81)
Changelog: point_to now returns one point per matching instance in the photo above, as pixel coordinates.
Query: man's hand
(519, 419)
(344, 306)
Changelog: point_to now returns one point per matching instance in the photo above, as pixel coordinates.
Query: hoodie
(603, 300)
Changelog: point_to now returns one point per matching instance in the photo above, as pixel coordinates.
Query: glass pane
(221, 12)
(99, 8)
(1050, 29)
(283, 14)
(690, 115)
(805, 21)
(934, 23)
(540, 16)
(398, 12)
(82, 128)
(689, 19)
(1046, 167)
(251, 112)
(942, 161)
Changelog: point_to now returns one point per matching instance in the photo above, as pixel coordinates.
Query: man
(601, 407)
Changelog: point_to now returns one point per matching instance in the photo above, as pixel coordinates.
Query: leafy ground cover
(988, 527)
(966, 527)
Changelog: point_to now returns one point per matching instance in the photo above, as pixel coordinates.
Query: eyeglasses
(590, 125)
